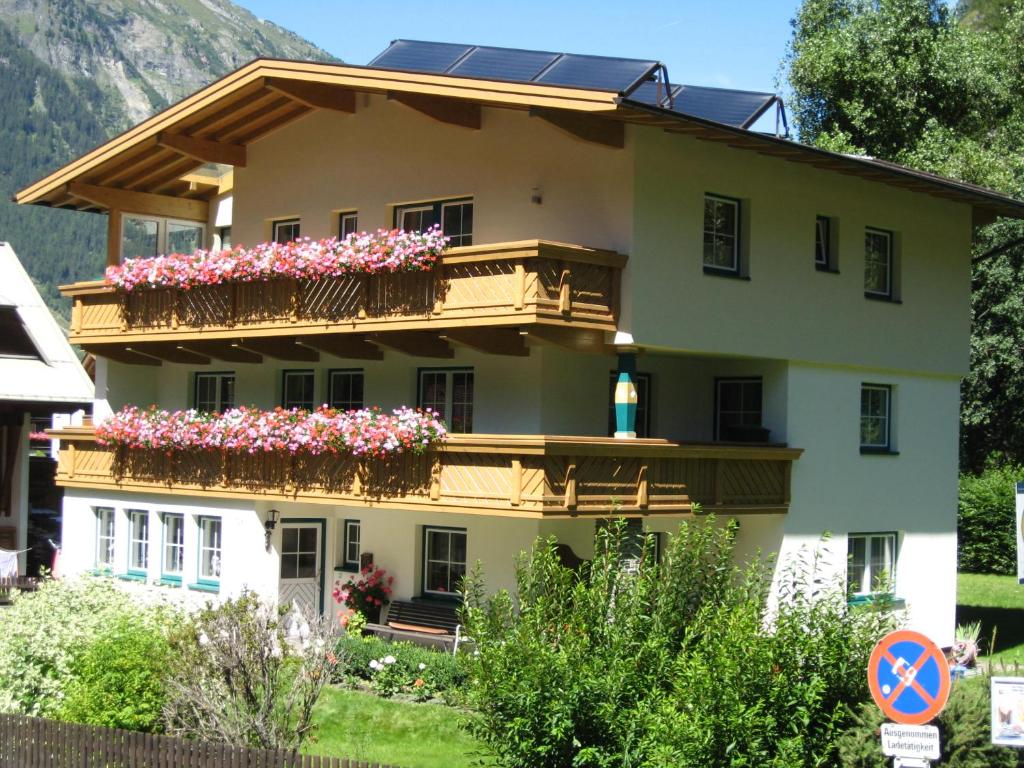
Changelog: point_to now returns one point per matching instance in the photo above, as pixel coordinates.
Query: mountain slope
(75, 72)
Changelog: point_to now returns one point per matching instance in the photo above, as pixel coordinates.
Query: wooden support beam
(111, 198)
(346, 345)
(452, 111)
(172, 353)
(122, 355)
(597, 130)
(283, 348)
(494, 341)
(203, 149)
(416, 343)
(114, 224)
(223, 350)
(316, 95)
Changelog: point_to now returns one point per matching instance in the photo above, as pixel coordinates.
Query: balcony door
(302, 563)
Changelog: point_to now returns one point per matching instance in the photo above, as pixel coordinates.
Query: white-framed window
(298, 389)
(449, 392)
(444, 560)
(642, 382)
(348, 223)
(173, 564)
(875, 417)
(153, 235)
(454, 216)
(138, 541)
(105, 540)
(721, 234)
(209, 549)
(345, 389)
(871, 562)
(222, 239)
(739, 408)
(353, 535)
(214, 392)
(878, 271)
(286, 230)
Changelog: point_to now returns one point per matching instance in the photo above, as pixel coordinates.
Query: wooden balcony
(506, 475)
(507, 284)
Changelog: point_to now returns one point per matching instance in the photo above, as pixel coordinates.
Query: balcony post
(625, 396)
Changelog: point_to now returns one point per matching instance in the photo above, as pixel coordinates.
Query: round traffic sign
(909, 677)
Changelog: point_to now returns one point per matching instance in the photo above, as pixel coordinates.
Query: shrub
(118, 681)
(986, 533)
(668, 664)
(43, 634)
(964, 731)
(441, 672)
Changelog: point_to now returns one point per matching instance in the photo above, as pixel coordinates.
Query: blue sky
(728, 43)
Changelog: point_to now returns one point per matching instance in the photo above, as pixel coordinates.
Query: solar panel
(503, 64)
(419, 56)
(739, 108)
(600, 72)
(654, 93)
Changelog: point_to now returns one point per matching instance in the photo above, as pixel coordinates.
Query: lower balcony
(506, 475)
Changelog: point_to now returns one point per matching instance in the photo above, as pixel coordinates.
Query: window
(739, 410)
(15, 340)
(348, 224)
(215, 392)
(444, 560)
(286, 230)
(345, 389)
(878, 263)
(223, 238)
(105, 541)
(449, 392)
(642, 382)
(721, 234)
(352, 550)
(151, 236)
(174, 547)
(824, 245)
(209, 548)
(298, 390)
(138, 545)
(454, 216)
(872, 562)
(299, 552)
(875, 417)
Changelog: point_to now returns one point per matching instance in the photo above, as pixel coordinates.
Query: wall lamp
(272, 517)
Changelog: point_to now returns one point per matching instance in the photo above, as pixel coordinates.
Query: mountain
(73, 73)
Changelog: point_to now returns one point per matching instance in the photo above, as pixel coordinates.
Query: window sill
(863, 601)
(347, 568)
(827, 269)
(203, 587)
(130, 576)
(880, 297)
(169, 581)
(725, 273)
(869, 451)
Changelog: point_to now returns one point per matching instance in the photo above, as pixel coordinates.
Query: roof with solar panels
(591, 97)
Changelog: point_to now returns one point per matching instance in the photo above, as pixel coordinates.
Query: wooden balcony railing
(508, 475)
(500, 284)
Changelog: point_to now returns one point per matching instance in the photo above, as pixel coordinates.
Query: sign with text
(1008, 711)
(1020, 533)
(908, 677)
(921, 741)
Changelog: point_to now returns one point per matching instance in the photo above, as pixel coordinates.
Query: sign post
(908, 676)
(1020, 533)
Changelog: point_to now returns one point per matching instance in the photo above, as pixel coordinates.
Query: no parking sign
(909, 677)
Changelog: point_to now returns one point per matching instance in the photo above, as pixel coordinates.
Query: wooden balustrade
(508, 475)
(500, 284)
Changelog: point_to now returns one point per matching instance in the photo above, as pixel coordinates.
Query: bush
(987, 538)
(442, 673)
(669, 665)
(44, 634)
(118, 680)
(964, 731)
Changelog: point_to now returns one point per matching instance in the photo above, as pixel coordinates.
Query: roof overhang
(156, 161)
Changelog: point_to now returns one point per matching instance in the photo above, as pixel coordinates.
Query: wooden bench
(424, 622)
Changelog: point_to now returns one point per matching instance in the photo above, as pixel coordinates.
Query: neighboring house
(795, 324)
(39, 376)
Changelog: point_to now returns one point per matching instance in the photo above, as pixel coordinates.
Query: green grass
(361, 726)
(998, 603)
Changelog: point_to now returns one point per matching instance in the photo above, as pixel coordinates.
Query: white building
(798, 322)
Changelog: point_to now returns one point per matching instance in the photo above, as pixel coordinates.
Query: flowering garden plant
(385, 250)
(368, 593)
(364, 432)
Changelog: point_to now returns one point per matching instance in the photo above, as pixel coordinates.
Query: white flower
(422, 666)
(374, 664)
(389, 659)
(203, 639)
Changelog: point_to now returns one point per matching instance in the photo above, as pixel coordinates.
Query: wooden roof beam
(494, 341)
(281, 348)
(347, 345)
(203, 149)
(222, 350)
(145, 203)
(172, 353)
(315, 95)
(415, 343)
(446, 110)
(596, 130)
(122, 355)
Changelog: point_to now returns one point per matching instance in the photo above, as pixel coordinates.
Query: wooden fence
(30, 742)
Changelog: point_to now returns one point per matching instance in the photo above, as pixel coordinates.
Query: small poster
(1008, 711)
(1020, 533)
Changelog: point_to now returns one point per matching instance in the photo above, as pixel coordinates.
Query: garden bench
(424, 622)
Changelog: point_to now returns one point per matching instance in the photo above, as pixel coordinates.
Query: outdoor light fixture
(272, 517)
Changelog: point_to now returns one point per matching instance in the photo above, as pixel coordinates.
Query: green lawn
(998, 602)
(365, 727)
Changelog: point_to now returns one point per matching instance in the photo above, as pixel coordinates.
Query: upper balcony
(535, 283)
